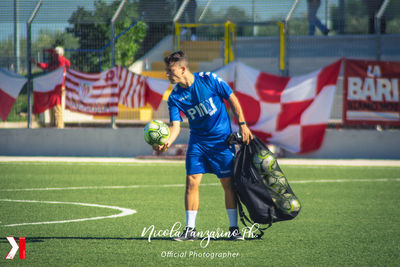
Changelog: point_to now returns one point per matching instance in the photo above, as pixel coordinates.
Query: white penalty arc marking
(123, 211)
(182, 185)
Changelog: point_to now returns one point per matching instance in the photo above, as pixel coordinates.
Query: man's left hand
(246, 134)
(160, 148)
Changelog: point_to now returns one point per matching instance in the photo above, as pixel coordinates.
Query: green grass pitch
(350, 217)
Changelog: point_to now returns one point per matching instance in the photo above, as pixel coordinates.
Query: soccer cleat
(188, 234)
(234, 234)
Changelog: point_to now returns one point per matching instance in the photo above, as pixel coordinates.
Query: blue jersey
(203, 105)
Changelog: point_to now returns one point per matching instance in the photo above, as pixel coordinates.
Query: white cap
(59, 50)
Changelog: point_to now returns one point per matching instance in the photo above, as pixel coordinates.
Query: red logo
(110, 76)
(85, 90)
(15, 248)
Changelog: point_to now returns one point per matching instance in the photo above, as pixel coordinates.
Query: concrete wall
(357, 144)
(128, 142)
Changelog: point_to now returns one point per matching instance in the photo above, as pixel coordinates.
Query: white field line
(182, 185)
(124, 211)
(346, 180)
(158, 163)
(84, 160)
(154, 163)
(283, 161)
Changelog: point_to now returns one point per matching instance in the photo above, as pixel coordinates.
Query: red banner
(371, 92)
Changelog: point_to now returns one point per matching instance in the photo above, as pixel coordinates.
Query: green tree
(50, 39)
(44, 40)
(93, 28)
(129, 44)
(6, 52)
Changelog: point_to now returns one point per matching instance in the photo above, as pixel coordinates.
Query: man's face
(175, 72)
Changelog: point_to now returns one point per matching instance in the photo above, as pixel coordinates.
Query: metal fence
(83, 29)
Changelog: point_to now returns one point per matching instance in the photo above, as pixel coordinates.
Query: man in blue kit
(200, 96)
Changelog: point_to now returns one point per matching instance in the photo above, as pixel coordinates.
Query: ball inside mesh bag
(264, 161)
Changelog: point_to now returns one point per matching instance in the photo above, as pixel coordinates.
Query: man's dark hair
(176, 57)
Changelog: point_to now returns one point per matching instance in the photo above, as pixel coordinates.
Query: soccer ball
(264, 162)
(277, 182)
(288, 203)
(156, 133)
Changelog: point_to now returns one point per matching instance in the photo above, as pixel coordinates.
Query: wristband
(242, 123)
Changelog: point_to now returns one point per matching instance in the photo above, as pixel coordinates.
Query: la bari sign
(371, 92)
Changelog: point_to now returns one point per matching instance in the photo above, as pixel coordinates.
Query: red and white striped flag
(10, 86)
(132, 88)
(47, 90)
(92, 93)
(290, 112)
(137, 90)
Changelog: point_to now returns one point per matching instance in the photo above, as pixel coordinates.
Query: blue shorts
(210, 157)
